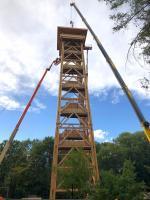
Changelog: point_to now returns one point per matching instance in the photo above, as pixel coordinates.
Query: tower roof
(70, 33)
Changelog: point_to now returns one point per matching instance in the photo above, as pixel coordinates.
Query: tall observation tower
(73, 124)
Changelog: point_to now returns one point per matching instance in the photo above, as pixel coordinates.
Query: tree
(137, 11)
(126, 146)
(39, 167)
(111, 156)
(137, 150)
(26, 169)
(128, 186)
(76, 173)
(121, 186)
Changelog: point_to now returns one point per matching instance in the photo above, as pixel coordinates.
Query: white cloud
(100, 134)
(39, 105)
(9, 103)
(28, 37)
(35, 107)
(116, 96)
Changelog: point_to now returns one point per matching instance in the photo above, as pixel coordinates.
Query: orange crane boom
(13, 134)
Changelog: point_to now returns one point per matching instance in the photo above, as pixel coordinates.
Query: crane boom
(13, 134)
(145, 124)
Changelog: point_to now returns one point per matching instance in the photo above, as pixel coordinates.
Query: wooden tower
(74, 125)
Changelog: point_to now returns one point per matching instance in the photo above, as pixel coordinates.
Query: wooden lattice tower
(74, 126)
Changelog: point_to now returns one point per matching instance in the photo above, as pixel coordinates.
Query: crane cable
(71, 16)
(13, 134)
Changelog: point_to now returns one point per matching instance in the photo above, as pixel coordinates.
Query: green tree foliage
(26, 169)
(124, 167)
(134, 147)
(137, 11)
(76, 175)
(121, 186)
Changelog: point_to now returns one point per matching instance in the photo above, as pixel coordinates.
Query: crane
(145, 124)
(14, 132)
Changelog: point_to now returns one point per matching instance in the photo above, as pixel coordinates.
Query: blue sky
(109, 119)
(28, 32)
